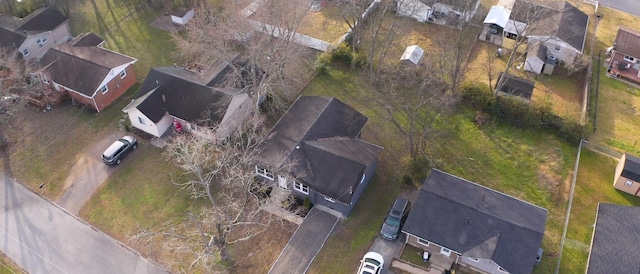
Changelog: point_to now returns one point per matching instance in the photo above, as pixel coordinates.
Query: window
(629, 58)
(142, 121)
(445, 251)
(123, 74)
(264, 173)
(556, 48)
(329, 199)
(104, 89)
(25, 52)
(628, 183)
(301, 187)
(423, 242)
(41, 41)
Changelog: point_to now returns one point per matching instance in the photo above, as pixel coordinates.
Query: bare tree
(415, 100)
(224, 175)
(273, 67)
(15, 82)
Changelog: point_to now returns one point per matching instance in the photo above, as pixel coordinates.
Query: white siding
(135, 116)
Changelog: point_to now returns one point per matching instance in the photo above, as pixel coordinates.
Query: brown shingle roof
(628, 41)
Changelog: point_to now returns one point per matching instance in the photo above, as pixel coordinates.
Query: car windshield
(392, 221)
(371, 261)
(124, 141)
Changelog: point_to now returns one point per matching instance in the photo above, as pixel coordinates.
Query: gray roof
(40, 20)
(180, 97)
(631, 168)
(517, 86)
(320, 135)
(573, 26)
(10, 39)
(81, 68)
(180, 11)
(477, 222)
(628, 41)
(614, 247)
(87, 39)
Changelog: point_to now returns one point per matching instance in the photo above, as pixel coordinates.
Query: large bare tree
(15, 83)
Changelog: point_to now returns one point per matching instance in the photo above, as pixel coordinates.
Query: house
(614, 240)
(477, 228)
(627, 176)
(443, 12)
(33, 35)
(181, 15)
(89, 73)
(412, 55)
(561, 29)
(625, 55)
(515, 87)
(191, 96)
(331, 165)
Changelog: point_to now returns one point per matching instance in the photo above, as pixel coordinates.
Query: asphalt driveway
(306, 242)
(388, 250)
(41, 237)
(628, 6)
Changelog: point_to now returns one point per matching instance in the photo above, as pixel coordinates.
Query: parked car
(119, 149)
(395, 219)
(371, 263)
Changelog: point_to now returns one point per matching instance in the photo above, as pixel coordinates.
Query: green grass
(594, 185)
(531, 165)
(7, 266)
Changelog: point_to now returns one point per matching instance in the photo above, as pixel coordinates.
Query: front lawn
(531, 165)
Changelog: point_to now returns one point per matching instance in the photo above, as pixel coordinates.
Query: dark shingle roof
(477, 221)
(614, 246)
(81, 68)
(10, 39)
(517, 86)
(628, 41)
(180, 97)
(631, 168)
(573, 26)
(88, 39)
(330, 158)
(43, 19)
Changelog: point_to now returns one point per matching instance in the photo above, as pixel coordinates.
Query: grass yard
(125, 28)
(530, 165)
(594, 185)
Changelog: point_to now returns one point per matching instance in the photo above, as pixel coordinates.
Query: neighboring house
(181, 15)
(627, 177)
(561, 30)
(475, 227)
(615, 240)
(444, 12)
(87, 72)
(33, 35)
(625, 55)
(331, 165)
(515, 87)
(192, 97)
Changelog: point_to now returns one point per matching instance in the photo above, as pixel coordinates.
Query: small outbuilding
(627, 177)
(182, 15)
(518, 88)
(413, 54)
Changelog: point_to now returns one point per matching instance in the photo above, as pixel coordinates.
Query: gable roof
(319, 135)
(614, 246)
(88, 39)
(517, 86)
(477, 222)
(165, 91)
(627, 41)
(631, 167)
(81, 68)
(573, 27)
(40, 20)
(10, 39)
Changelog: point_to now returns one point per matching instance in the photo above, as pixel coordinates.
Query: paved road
(628, 6)
(41, 237)
(305, 243)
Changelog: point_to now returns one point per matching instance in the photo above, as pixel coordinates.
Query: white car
(371, 263)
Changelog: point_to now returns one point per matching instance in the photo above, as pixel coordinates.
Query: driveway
(306, 242)
(628, 6)
(388, 250)
(41, 237)
(87, 174)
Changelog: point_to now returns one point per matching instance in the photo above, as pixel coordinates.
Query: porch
(621, 68)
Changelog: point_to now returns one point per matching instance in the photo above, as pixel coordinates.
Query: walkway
(305, 243)
(41, 237)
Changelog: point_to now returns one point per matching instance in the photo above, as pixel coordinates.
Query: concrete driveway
(306, 242)
(628, 6)
(41, 237)
(388, 250)
(87, 174)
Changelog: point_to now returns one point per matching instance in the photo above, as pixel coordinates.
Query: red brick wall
(116, 87)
